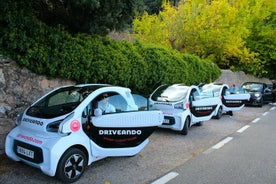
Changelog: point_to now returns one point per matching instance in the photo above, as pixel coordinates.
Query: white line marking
(210, 150)
(243, 128)
(166, 178)
(222, 143)
(256, 120)
(272, 108)
(264, 114)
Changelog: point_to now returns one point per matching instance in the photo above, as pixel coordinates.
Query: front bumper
(254, 101)
(33, 150)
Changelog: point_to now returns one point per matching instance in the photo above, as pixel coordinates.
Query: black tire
(199, 123)
(71, 165)
(219, 113)
(261, 103)
(186, 126)
(230, 113)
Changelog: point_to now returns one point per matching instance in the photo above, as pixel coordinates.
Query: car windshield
(171, 93)
(252, 87)
(60, 102)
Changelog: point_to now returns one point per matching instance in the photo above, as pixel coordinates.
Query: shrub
(94, 59)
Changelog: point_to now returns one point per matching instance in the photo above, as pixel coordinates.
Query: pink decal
(75, 125)
(166, 113)
(187, 105)
(28, 138)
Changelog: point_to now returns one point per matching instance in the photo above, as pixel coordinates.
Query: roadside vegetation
(68, 39)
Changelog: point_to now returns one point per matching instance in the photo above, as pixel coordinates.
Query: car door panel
(203, 109)
(234, 102)
(121, 130)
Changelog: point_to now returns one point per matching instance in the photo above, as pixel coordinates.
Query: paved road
(246, 156)
(166, 151)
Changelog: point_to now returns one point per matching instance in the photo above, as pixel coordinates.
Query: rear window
(171, 93)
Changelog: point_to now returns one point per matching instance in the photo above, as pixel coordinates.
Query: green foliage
(94, 59)
(233, 34)
(87, 16)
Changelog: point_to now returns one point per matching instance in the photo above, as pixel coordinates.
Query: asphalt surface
(246, 156)
(166, 151)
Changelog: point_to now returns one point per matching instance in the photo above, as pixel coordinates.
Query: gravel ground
(166, 150)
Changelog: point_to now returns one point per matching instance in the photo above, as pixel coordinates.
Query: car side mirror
(98, 112)
(267, 90)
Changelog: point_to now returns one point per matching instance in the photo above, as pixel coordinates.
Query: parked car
(260, 93)
(182, 106)
(231, 99)
(68, 129)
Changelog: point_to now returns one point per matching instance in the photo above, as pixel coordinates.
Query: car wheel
(199, 123)
(219, 113)
(185, 128)
(261, 103)
(72, 165)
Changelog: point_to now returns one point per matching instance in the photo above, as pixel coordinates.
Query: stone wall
(18, 89)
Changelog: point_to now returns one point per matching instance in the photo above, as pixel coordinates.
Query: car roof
(253, 83)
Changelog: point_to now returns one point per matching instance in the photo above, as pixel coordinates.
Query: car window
(171, 93)
(140, 101)
(237, 90)
(196, 94)
(118, 102)
(254, 87)
(57, 103)
(210, 90)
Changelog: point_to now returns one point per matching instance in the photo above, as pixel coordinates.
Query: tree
(262, 39)
(88, 16)
(231, 33)
(208, 30)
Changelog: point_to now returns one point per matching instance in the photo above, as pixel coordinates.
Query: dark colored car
(260, 93)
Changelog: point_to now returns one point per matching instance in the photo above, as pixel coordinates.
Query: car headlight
(57, 126)
(178, 106)
(54, 126)
(67, 125)
(257, 95)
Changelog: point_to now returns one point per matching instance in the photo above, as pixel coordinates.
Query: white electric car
(182, 106)
(231, 99)
(66, 129)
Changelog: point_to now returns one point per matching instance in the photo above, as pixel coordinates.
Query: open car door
(234, 100)
(124, 132)
(202, 108)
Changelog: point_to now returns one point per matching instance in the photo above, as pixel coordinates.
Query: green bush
(94, 59)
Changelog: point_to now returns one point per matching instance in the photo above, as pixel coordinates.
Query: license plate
(167, 121)
(25, 152)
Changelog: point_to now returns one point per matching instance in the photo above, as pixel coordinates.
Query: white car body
(50, 130)
(182, 106)
(230, 99)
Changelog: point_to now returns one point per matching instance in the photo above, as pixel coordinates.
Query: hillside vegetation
(236, 34)
(93, 59)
